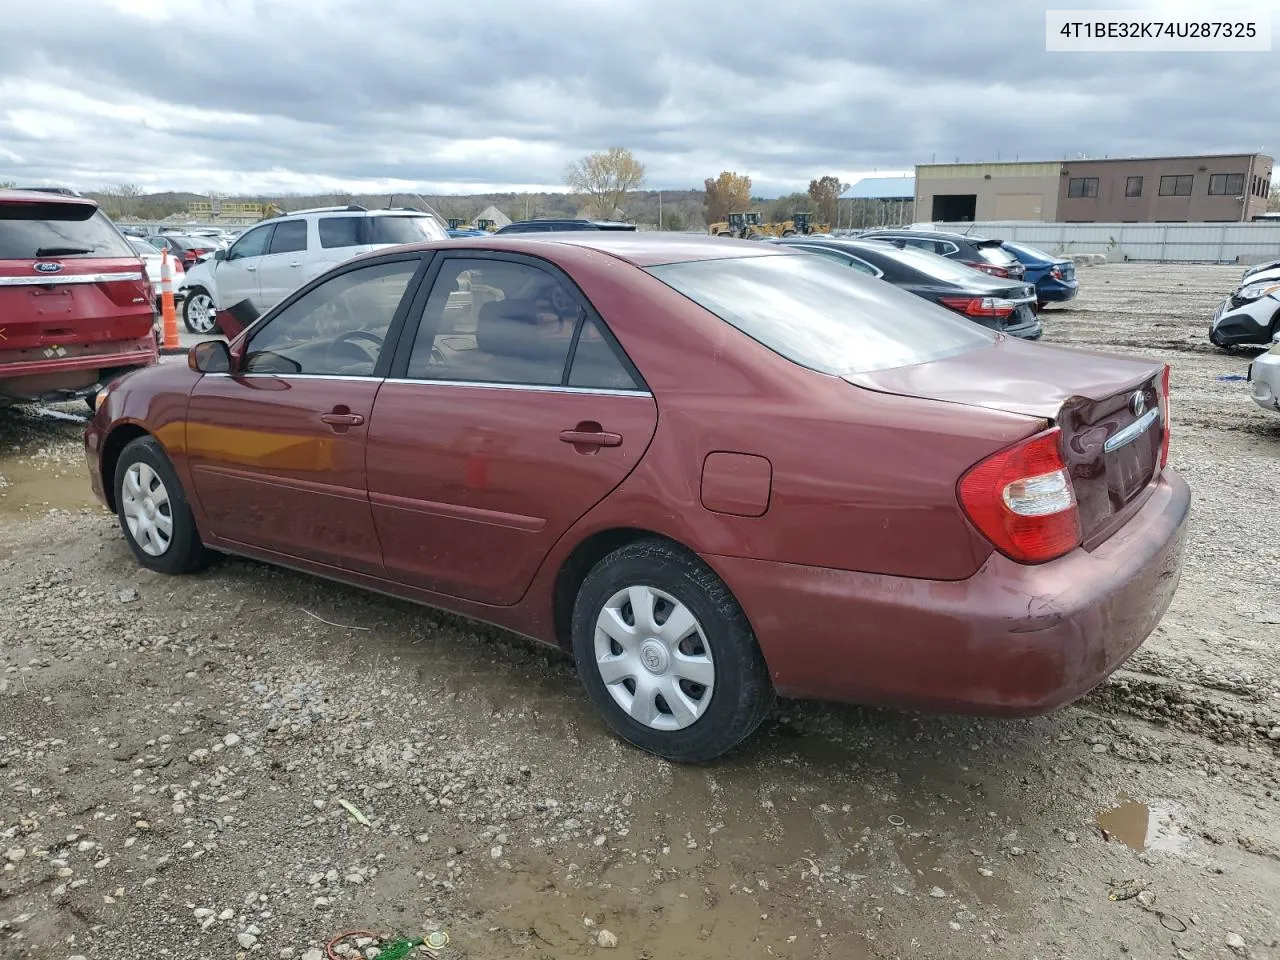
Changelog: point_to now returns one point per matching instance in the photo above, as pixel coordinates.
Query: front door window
(336, 329)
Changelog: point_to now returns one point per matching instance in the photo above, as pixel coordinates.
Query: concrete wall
(1111, 204)
(1242, 243)
(1003, 190)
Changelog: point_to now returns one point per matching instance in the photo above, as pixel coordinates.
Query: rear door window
(32, 230)
(339, 232)
(290, 237)
(823, 316)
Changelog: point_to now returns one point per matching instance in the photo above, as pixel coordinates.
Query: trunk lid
(67, 277)
(1107, 407)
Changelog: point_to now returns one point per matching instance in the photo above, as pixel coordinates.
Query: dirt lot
(174, 753)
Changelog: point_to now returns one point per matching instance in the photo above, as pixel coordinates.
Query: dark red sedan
(713, 470)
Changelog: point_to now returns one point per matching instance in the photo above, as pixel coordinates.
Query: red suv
(75, 302)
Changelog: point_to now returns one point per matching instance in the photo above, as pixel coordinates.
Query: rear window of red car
(823, 315)
(29, 231)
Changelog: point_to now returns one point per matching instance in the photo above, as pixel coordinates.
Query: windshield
(998, 256)
(821, 315)
(932, 265)
(1033, 252)
(53, 236)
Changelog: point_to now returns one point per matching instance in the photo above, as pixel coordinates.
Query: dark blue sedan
(1054, 277)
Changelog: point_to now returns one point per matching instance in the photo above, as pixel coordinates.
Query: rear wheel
(198, 312)
(153, 510)
(667, 655)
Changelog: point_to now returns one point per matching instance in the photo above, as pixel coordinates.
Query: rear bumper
(1012, 640)
(37, 377)
(1057, 291)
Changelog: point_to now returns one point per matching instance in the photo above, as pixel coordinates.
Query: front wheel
(667, 655)
(198, 312)
(153, 510)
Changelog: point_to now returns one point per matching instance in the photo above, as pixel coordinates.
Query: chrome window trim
(1132, 431)
(954, 248)
(56, 279)
(531, 387)
(875, 271)
(534, 387)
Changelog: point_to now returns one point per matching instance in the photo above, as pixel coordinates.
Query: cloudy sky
(281, 96)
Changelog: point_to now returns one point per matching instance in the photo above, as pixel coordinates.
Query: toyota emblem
(1138, 404)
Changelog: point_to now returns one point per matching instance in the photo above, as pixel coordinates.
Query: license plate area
(1129, 457)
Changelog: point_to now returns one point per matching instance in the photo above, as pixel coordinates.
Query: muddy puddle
(1143, 826)
(36, 485)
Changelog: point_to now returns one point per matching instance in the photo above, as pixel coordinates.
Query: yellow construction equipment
(743, 226)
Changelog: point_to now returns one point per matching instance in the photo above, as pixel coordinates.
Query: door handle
(251, 269)
(585, 436)
(342, 417)
(295, 263)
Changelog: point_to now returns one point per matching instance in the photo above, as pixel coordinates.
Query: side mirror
(220, 254)
(211, 356)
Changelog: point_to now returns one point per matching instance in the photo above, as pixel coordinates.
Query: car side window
(335, 329)
(835, 255)
(252, 244)
(339, 231)
(919, 243)
(495, 321)
(596, 362)
(290, 237)
(863, 267)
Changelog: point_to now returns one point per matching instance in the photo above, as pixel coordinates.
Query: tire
(155, 495)
(198, 312)
(716, 646)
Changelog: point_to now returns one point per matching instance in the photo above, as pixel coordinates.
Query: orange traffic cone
(167, 312)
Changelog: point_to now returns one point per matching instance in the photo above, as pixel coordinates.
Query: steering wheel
(353, 335)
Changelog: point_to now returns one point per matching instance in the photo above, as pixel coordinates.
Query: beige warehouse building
(1213, 188)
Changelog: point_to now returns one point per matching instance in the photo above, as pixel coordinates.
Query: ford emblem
(1138, 404)
(48, 266)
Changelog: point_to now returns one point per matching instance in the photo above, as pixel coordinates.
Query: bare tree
(123, 199)
(606, 178)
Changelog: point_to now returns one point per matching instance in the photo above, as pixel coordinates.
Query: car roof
(641, 248)
(933, 235)
(42, 196)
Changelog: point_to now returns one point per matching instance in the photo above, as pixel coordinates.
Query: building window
(1226, 184)
(1176, 186)
(1082, 187)
(1133, 187)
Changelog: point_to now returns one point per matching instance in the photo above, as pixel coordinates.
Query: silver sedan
(1264, 379)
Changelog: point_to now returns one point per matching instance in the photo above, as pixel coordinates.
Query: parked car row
(638, 447)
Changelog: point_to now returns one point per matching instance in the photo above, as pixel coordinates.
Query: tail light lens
(1164, 417)
(1056, 272)
(989, 268)
(125, 293)
(979, 306)
(1022, 500)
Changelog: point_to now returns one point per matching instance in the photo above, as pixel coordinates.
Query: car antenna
(972, 224)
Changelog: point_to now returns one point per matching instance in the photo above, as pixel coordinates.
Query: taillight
(124, 293)
(989, 268)
(1164, 416)
(1022, 500)
(1056, 272)
(980, 306)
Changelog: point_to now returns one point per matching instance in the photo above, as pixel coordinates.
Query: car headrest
(509, 328)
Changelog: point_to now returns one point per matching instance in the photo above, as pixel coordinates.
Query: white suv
(272, 259)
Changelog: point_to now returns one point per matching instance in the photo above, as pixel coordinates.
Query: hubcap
(144, 501)
(201, 313)
(654, 658)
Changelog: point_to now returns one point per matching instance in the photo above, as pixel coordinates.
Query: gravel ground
(175, 754)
